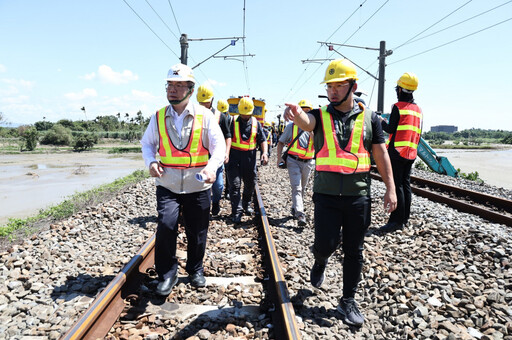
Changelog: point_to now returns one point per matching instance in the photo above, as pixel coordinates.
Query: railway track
(492, 208)
(228, 302)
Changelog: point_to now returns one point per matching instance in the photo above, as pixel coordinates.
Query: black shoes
(197, 280)
(215, 209)
(164, 287)
(390, 227)
(248, 210)
(237, 218)
(317, 276)
(351, 314)
(302, 220)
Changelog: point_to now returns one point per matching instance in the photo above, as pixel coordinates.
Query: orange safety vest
(245, 145)
(354, 158)
(192, 156)
(298, 150)
(408, 131)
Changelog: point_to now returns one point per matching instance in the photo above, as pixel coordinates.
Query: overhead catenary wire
(318, 50)
(461, 22)
(450, 42)
(426, 29)
(163, 21)
(246, 71)
(145, 23)
(175, 20)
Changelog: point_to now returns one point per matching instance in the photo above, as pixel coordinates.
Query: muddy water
(494, 166)
(29, 183)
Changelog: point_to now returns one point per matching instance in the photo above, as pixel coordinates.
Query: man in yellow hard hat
(191, 148)
(247, 134)
(346, 133)
(404, 128)
(299, 161)
(205, 98)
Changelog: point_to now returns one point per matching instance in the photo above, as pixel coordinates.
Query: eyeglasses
(176, 85)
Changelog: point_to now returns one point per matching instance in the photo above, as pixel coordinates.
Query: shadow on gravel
(142, 221)
(81, 285)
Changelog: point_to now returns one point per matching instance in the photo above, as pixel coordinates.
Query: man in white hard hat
(184, 135)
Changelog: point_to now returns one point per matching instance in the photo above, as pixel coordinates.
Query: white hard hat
(180, 72)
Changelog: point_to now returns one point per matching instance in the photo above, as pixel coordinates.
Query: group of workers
(194, 142)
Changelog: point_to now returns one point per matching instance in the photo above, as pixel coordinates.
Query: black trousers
(402, 178)
(242, 167)
(196, 214)
(351, 215)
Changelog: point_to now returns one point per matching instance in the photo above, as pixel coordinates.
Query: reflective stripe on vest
(238, 143)
(353, 159)
(408, 131)
(192, 156)
(298, 150)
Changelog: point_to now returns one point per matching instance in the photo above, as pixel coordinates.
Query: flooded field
(29, 183)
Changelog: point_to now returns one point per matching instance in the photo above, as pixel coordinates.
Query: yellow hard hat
(222, 105)
(204, 94)
(408, 81)
(266, 124)
(340, 70)
(245, 106)
(305, 103)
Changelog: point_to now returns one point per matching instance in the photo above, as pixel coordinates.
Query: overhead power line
(426, 29)
(461, 22)
(162, 20)
(434, 48)
(175, 20)
(145, 23)
(246, 71)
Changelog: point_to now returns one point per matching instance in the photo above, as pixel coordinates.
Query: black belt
(299, 159)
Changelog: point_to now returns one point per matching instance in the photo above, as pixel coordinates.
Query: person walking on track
(191, 148)
(346, 134)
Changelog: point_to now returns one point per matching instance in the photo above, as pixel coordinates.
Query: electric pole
(184, 48)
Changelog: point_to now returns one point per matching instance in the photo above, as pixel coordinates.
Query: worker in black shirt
(247, 134)
(205, 98)
(346, 135)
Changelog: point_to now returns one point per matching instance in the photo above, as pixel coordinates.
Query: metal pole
(184, 48)
(382, 78)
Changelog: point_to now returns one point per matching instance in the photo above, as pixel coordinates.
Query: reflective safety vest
(192, 156)
(408, 131)
(298, 150)
(245, 145)
(354, 158)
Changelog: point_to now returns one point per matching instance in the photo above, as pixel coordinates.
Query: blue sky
(59, 56)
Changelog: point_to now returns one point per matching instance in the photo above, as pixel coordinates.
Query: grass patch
(130, 149)
(72, 205)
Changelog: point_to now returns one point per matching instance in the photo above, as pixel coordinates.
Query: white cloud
(3, 68)
(144, 96)
(107, 75)
(86, 93)
(27, 84)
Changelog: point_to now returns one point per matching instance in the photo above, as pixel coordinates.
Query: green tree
(29, 136)
(57, 135)
(43, 125)
(84, 141)
(67, 124)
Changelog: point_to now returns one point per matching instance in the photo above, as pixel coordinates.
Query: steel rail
(290, 329)
(99, 318)
(490, 215)
(106, 308)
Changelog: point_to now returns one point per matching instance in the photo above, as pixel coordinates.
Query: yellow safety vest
(298, 150)
(192, 156)
(354, 158)
(245, 145)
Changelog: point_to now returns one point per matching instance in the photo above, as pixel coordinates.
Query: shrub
(84, 142)
(29, 137)
(57, 135)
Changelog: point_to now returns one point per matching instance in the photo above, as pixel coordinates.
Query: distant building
(444, 128)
